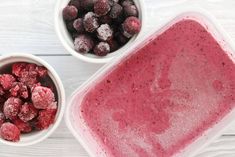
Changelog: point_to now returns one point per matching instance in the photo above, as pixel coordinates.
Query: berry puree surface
(162, 97)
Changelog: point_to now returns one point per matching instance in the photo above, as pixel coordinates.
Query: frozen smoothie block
(164, 96)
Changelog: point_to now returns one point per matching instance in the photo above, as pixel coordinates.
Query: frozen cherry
(102, 49)
(127, 3)
(12, 107)
(19, 89)
(78, 25)
(24, 127)
(105, 19)
(90, 22)
(70, 12)
(101, 7)
(42, 97)
(45, 118)
(27, 112)
(2, 118)
(104, 32)
(87, 4)
(83, 43)
(6, 81)
(131, 26)
(10, 132)
(131, 10)
(115, 11)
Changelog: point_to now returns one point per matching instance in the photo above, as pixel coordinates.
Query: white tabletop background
(28, 26)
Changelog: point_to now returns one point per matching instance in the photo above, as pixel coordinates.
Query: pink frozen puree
(164, 96)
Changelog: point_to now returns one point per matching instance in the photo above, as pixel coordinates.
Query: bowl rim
(98, 60)
(60, 113)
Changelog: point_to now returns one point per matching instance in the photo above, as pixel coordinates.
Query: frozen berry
(19, 90)
(2, 118)
(70, 12)
(17, 68)
(101, 7)
(78, 25)
(27, 112)
(127, 3)
(42, 97)
(112, 2)
(131, 26)
(105, 19)
(24, 127)
(102, 49)
(6, 81)
(113, 45)
(87, 4)
(83, 43)
(115, 11)
(75, 3)
(12, 107)
(104, 32)
(45, 118)
(121, 38)
(131, 10)
(90, 22)
(42, 71)
(10, 132)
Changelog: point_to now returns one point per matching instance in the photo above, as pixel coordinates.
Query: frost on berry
(83, 43)
(131, 26)
(12, 107)
(101, 7)
(24, 127)
(27, 112)
(115, 11)
(90, 22)
(78, 25)
(70, 13)
(9, 132)
(17, 68)
(104, 32)
(45, 118)
(102, 49)
(42, 71)
(131, 10)
(6, 81)
(42, 97)
(19, 89)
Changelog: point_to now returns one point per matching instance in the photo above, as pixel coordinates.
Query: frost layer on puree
(163, 97)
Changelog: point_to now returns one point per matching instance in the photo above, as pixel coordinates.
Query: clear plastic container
(81, 131)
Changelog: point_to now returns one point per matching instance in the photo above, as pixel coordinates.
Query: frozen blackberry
(130, 10)
(70, 13)
(131, 26)
(90, 22)
(101, 7)
(104, 32)
(102, 49)
(78, 25)
(83, 43)
(115, 11)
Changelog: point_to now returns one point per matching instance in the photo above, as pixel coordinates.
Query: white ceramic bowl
(67, 41)
(37, 136)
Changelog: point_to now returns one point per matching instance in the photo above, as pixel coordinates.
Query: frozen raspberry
(17, 68)
(113, 45)
(2, 118)
(12, 107)
(115, 11)
(6, 81)
(19, 90)
(27, 112)
(112, 2)
(75, 3)
(102, 49)
(83, 43)
(101, 7)
(131, 26)
(10, 132)
(131, 10)
(87, 4)
(24, 127)
(42, 97)
(70, 13)
(104, 32)
(90, 22)
(127, 3)
(42, 71)
(45, 118)
(105, 19)
(121, 38)
(78, 25)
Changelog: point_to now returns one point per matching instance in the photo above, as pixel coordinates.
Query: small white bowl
(37, 136)
(67, 41)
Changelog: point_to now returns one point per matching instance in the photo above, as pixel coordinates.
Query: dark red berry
(127, 3)
(90, 22)
(70, 12)
(12, 107)
(78, 25)
(9, 132)
(104, 32)
(19, 89)
(27, 112)
(83, 43)
(42, 71)
(101, 7)
(131, 26)
(130, 10)
(75, 3)
(17, 68)
(45, 118)
(102, 49)
(105, 19)
(6, 81)
(115, 11)
(112, 2)
(24, 127)
(113, 45)
(87, 4)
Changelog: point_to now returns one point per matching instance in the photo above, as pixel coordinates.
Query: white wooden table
(28, 26)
